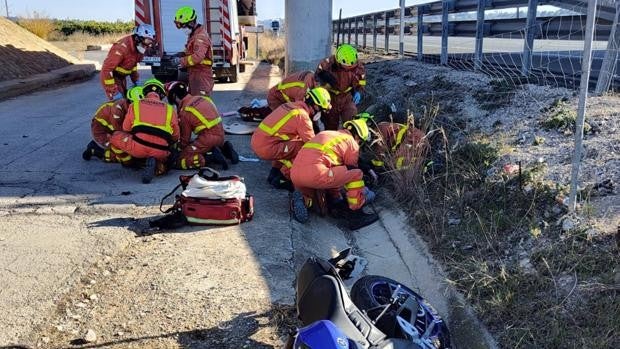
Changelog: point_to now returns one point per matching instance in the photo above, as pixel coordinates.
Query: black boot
(273, 174)
(215, 156)
(230, 152)
(354, 219)
(93, 149)
(148, 172)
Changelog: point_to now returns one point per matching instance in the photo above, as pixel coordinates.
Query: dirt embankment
(24, 54)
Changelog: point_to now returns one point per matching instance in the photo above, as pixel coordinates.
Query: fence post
(349, 31)
(364, 32)
(583, 95)
(611, 56)
(374, 32)
(387, 33)
(338, 31)
(401, 35)
(444, 33)
(420, 32)
(530, 32)
(356, 31)
(479, 35)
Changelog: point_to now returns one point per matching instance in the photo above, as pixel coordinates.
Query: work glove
(137, 83)
(369, 195)
(357, 97)
(118, 95)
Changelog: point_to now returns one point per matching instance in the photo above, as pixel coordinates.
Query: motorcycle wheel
(371, 292)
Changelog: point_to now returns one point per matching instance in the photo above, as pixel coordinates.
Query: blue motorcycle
(380, 314)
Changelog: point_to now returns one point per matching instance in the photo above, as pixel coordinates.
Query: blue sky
(111, 10)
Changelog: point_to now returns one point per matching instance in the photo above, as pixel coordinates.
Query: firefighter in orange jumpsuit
(197, 115)
(109, 118)
(150, 127)
(401, 143)
(293, 88)
(198, 55)
(329, 162)
(350, 77)
(282, 134)
(122, 61)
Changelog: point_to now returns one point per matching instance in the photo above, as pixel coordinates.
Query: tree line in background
(43, 26)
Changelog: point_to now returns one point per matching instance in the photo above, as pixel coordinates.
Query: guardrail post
(364, 33)
(420, 33)
(401, 35)
(374, 33)
(611, 56)
(387, 33)
(530, 32)
(349, 31)
(338, 31)
(581, 111)
(444, 33)
(479, 35)
(356, 31)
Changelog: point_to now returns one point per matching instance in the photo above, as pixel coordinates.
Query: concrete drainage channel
(393, 249)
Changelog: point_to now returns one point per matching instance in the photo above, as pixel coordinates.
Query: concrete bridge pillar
(308, 33)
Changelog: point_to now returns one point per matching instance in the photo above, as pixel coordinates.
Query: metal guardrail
(531, 28)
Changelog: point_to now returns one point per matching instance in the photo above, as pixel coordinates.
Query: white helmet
(145, 31)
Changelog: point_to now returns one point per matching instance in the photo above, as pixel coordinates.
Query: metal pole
(611, 56)
(530, 31)
(349, 31)
(338, 35)
(479, 36)
(401, 38)
(6, 6)
(581, 112)
(356, 31)
(444, 33)
(420, 33)
(374, 32)
(364, 33)
(387, 34)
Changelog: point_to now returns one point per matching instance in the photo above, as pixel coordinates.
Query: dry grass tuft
(272, 49)
(38, 24)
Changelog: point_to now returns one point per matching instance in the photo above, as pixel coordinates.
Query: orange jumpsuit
(122, 61)
(282, 134)
(322, 164)
(198, 62)
(198, 115)
(149, 128)
(108, 119)
(405, 143)
(293, 88)
(349, 79)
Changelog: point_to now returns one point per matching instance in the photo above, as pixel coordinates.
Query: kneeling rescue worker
(198, 115)
(283, 132)
(150, 127)
(108, 119)
(329, 162)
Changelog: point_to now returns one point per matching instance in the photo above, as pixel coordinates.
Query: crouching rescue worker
(283, 132)
(198, 115)
(109, 118)
(349, 78)
(150, 127)
(198, 55)
(401, 145)
(329, 162)
(122, 61)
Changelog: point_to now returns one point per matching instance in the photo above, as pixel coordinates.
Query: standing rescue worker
(150, 127)
(350, 78)
(402, 144)
(283, 132)
(108, 119)
(122, 61)
(197, 115)
(329, 162)
(198, 55)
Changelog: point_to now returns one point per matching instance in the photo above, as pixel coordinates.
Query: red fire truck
(222, 22)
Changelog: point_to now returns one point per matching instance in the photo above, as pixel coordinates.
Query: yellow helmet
(154, 85)
(184, 15)
(320, 97)
(135, 94)
(346, 55)
(360, 127)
